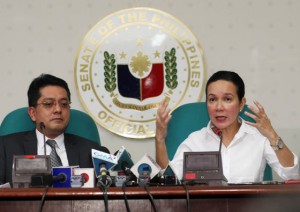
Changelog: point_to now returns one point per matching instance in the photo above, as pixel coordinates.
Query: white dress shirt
(60, 147)
(245, 158)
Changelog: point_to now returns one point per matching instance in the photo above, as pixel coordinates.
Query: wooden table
(266, 198)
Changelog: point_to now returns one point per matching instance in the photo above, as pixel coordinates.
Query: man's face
(53, 109)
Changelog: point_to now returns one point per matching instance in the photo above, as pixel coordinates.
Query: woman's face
(223, 104)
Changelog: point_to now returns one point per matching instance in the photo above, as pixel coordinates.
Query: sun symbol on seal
(140, 64)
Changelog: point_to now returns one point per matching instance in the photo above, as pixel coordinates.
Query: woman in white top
(247, 146)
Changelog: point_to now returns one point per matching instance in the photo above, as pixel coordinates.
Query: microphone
(168, 177)
(145, 169)
(220, 134)
(43, 177)
(42, 125)
(103, 170)
(208, 169)
(61, 177)
(104, 180)
(65, 177)
(123, 166)
(126, 168)
(102, 162)
(124, 162)
(88, 177)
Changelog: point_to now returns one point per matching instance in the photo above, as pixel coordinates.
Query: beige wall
(259, 39)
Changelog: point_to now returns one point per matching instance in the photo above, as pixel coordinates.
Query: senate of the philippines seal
(129, 62)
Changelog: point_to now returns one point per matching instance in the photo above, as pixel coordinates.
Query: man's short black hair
(42, 81)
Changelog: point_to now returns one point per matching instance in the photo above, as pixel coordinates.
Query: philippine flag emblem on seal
(129, 62)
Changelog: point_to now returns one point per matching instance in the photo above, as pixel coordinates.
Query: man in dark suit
(49, 101)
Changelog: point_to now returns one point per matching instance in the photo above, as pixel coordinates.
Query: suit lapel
(30, 143)
(72, 152)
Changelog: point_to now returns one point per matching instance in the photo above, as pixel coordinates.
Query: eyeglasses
(49, 104)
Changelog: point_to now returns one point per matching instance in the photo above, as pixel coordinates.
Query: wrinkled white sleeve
(289, 173)
(286, 173)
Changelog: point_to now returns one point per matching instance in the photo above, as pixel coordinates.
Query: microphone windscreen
(61, 177)
(144, 167)
(219, 132)
(42, 125)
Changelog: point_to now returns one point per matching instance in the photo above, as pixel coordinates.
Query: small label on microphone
(88, 176)
(103, 158)
(67, 172)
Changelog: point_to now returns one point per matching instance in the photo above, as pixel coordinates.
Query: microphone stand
(104, 181)
(42, 126)
(42, 179)
(220, 134)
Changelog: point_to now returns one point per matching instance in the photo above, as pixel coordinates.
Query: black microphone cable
(125, 196)
(43, 199)
(188, 209)
(42, 126)
(104, 187)
(150, 197)
(105, 197)
(104, 182)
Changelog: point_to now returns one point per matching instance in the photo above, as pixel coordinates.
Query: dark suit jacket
(25, 143)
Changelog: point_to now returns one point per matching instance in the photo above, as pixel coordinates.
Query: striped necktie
(55, 159)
